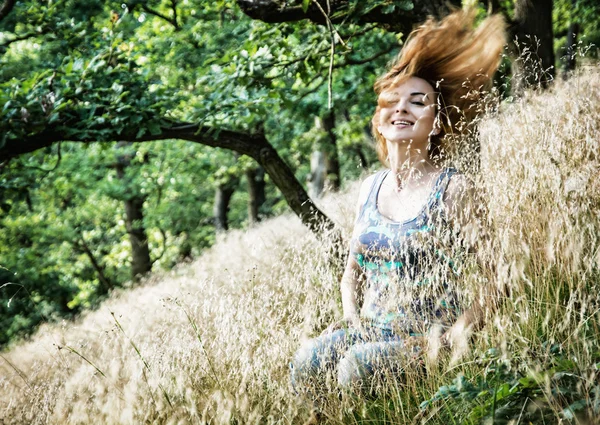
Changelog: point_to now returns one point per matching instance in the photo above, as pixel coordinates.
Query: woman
(397, 290)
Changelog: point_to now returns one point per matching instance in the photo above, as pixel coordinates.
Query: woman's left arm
(466, 213)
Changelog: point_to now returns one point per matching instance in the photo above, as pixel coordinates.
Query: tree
(332, 162)
(576, 30)
(134, 214)
(398, 15)
(54, 119)
(94, 72)
(226, 183)
(534, 45)
(255, 178)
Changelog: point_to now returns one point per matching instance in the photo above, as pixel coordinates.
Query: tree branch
(255, 146)
(83, 246)
(164, 245)
(47, 170)
(312, 90)
(277, 11)
(351, 61)
(172, 21)
(174, 9)
(6, 7)
(21, 38)
(4, 163)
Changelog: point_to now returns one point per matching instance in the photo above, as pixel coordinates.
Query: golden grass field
(210, 342)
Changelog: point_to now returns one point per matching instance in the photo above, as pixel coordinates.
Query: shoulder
(365, 187)
(459, 191)
(458, 186)
(365, 190)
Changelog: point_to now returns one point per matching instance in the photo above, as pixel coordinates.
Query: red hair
(457, 59)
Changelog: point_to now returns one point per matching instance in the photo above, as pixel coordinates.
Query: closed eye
(418, 103)
(386, 103)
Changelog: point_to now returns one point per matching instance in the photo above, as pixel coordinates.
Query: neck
(409, 165)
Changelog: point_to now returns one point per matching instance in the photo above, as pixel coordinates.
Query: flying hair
(459, 62)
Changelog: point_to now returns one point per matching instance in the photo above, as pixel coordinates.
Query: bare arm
(464, 212)
(351, 285)
(351, 289)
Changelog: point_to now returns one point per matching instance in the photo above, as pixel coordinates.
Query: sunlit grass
(211, 341)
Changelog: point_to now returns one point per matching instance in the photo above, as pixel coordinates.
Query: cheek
(425, 123)
(384, 113)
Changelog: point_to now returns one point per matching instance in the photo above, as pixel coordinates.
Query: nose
(401, 106)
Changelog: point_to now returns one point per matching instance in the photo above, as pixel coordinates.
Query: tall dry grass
(210, 342)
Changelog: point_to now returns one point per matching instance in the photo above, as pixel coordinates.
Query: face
(407, 112)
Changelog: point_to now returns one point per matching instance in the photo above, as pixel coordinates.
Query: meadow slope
(213, 337)
(210, 342)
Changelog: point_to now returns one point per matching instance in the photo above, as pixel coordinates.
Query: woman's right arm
(351, 285)
(351, 288)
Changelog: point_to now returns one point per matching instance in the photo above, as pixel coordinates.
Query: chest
(380, 240)
(404, 205)
(396, 224)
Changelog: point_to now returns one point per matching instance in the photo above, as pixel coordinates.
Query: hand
(419, 347)
(416, 345)
(445, 340)
(459, 333)
(457, 337)
(342, 324)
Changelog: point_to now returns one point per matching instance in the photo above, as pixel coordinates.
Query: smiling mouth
(401, 122)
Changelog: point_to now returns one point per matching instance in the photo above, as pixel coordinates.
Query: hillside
(210, 335)
(210, 342)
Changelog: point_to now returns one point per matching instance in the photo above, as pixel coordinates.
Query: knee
(306, 358)
(306, 363)
(350, 372)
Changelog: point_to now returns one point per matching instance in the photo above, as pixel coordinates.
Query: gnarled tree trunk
(134, 218)
(533, 52)
(223, 194)
(256, 193)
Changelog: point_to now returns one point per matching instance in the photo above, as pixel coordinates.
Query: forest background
(258, 86)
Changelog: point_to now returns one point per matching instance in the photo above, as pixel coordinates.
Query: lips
(402, 122)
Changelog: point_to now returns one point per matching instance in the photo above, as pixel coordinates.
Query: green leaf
(69, 67)
(53, 118)
(569, 412)
(406, 5)
(154, 128)
(305, 4)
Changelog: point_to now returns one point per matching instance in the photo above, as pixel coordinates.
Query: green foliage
(509, 391)
(584, 13)
(91, 99)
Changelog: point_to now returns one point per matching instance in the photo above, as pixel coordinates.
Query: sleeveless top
(408, 275)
